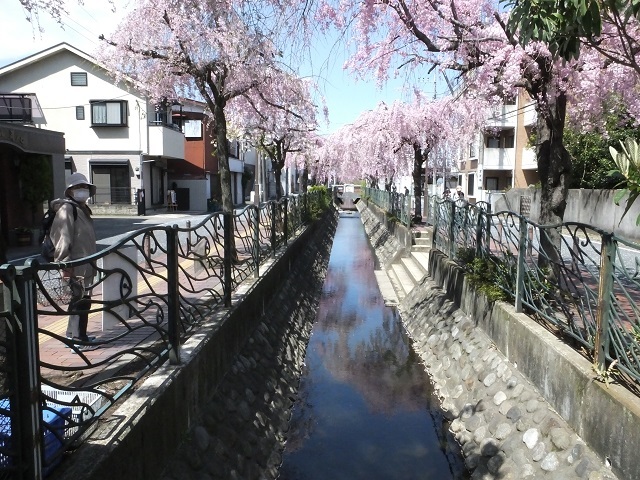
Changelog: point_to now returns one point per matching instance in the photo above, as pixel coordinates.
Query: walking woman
(73, 237)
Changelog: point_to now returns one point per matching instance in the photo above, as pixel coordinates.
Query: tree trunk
(277, 175)
(417, 181)
(554, 169)
(278, 165)
(305, 180)
(222, 152)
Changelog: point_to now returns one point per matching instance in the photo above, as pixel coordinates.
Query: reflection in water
(365, 408)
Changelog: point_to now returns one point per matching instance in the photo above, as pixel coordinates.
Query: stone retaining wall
(389, 239)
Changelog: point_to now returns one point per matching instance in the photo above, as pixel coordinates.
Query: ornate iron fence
(152, 289)
(396, 204)
(578, 280)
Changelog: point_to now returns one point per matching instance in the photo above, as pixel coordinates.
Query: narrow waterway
(366, 409)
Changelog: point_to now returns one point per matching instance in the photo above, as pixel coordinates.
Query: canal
(365, 407)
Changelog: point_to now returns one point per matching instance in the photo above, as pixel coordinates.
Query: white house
(114, 135)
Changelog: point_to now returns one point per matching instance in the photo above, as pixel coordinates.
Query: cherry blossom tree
(469, 37)
(54, 8)
(215, 50)
(279, 117)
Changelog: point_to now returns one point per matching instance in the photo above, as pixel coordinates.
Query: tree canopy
(215, 50)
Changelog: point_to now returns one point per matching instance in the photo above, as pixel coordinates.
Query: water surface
(366, 408)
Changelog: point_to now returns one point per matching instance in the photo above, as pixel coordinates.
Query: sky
(345, 97)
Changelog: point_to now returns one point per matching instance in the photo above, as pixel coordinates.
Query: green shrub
(319, 201)
(487, 276)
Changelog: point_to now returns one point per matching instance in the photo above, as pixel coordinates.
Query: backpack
(47, 248)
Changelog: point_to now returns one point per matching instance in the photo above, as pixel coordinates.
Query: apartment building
(501, 157)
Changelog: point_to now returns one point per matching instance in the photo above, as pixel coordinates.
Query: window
(493, 142)
(504, 140)
(491, 183)
(192, 128)
(80, 113)
(471, 182)
(68, 167)
(508, 140)
(78, 79)
(472, 150)
(113, 183)
(109, 113)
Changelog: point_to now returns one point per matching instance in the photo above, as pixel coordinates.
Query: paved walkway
(127, 347)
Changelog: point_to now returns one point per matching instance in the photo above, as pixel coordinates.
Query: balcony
(499, 158)
(15, 108)
(505, 116)
(165, 141)
(529, 161)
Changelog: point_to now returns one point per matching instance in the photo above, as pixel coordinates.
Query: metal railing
(152, 289)
(396, 204)
(580, 281)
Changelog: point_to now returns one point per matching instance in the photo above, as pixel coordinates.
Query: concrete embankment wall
(141, 436)
(390, 239)
(606, 417)
(522, 403)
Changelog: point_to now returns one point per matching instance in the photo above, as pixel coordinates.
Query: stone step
(387, 290)
(396, 282)
(420, 248)
(404, 278)
(422, 260)
(414, 270)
